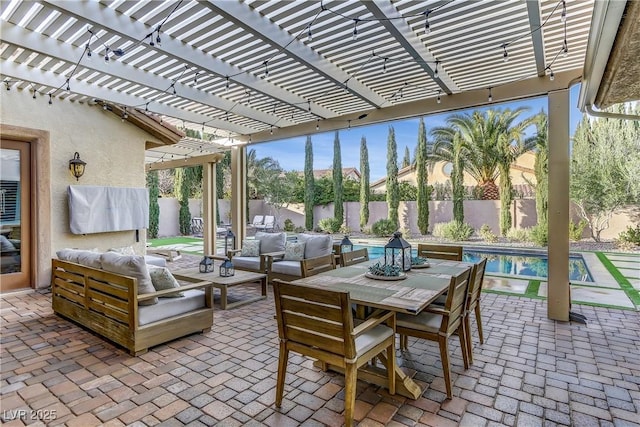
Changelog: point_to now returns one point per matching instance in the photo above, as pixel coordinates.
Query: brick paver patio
(530, 371)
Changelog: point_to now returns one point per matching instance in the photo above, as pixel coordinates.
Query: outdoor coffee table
(223, 283)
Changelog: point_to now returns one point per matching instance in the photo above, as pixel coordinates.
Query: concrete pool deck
(605, 290)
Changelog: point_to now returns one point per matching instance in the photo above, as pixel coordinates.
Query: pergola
(252, 71)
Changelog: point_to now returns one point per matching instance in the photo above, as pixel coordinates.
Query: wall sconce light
(76, 166)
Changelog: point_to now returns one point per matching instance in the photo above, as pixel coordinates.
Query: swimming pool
(511, 262)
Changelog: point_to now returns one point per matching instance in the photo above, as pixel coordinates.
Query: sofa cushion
(246, 263)
(158, 261)
(167, 307)
(162, 279)
(123, 250)
(132, 266)
(291, 268)
(250, 248)
(271, 242)
(89, 259)
(294, 251)
(316, 245)
(71, 255)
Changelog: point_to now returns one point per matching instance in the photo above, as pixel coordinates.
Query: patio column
(239, 192)
(209, 196)
(558, 292)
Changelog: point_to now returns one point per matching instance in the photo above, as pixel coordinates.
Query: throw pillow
(316, 245)
(71, 255)
(90, 259)
(294, 251)
(124, 250)
(133, 266)
(271, 242)
(250, 248)
(162, 279)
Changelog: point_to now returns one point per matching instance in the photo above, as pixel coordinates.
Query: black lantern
(398, 252)
(345, 244)
(76, 166)
(229, 241)
(206, 265)
(226, 268)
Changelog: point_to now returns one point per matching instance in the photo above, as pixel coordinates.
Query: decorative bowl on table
(380, 271)
(419, 262)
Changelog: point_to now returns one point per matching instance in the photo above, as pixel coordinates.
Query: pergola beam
(131, 30)
(535, 26)
(403, 34)
(261, 27)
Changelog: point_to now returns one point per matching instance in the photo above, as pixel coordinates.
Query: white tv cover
(94, 209)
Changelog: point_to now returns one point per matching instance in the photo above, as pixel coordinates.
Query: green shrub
(539, 234)
(575, 230)
(299, 230)
(453, 230)
(330, 225)
(487, 234)
(631, 236)
(518, 235)
(344, 229)
(383, 227)
(288, 225)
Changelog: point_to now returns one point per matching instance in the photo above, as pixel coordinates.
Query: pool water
(516, 263)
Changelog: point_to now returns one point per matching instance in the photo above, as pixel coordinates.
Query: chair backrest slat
(354, 257)
(475, 283)
(451, 253)
(315, 318)
(313, 266)
(456, 301)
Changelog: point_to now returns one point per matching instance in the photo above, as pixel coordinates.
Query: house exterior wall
(113, 151)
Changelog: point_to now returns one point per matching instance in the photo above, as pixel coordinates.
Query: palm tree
(258, 172)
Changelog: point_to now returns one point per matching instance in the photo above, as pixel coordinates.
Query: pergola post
(558, 292)
(239, 192)
(209, 196)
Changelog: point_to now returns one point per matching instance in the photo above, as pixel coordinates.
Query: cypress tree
(182, 189)
(154, 208)
(422, 178)
(457, 179)
(309, 185)
(393, 194)
(364, 183)
(406, 160)
(338, 195)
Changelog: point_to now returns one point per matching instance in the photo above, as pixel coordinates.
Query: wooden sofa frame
(107, 304)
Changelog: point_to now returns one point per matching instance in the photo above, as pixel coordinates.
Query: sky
(290, 152)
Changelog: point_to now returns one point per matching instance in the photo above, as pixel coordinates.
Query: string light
(317, 124)
(34, 94)
(271, 130)
(309, 107)
(563, 15)
(355, 29)
(7, 85)
(384, 66)
(349, 124)
(551, 75)
(50, 100)
(427, 27)
(565, 48)
(438, 99)
(505, 55)
(266, 68)
(68, 87)
(226, 86)
(88, 49)
(195, 78)
(309, 34)
(106, 55)
(435, 71)
(490, 99)
(104, 107)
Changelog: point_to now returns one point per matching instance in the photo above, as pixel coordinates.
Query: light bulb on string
(195, 78)
(34, 94)
(7, 85)
(68, 88)
(50, 100)
(151, 43)
(427, 27)
(551, 75)
(505, 55)
(565, 48)
(490, 98)
(355, 29)
(309, 34)
(318, 124)
(271, 130)
(435, 71)
(384, 66)
(349, 124)
(88, 51)
(438, 99)
(266, 68)
(226, 86)
(563, 15)
(158, 40)
(106, 55)
(309, 107)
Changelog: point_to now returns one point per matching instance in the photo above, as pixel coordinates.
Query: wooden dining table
(412, 294)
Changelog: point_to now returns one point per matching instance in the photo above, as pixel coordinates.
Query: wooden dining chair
(354, 257)
(318, 323)
(473, 303)
(437, 323)
(317, 265)
(448, 252)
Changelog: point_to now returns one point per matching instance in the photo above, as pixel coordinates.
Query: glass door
(15, 215)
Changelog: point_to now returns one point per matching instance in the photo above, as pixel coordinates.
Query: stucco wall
(112, 149)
